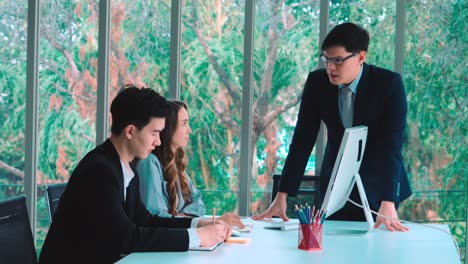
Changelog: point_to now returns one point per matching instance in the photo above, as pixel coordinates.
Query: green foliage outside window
(286, 49)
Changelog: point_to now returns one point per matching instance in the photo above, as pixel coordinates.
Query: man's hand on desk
(211, 234)
(392, 223)
(277, 208)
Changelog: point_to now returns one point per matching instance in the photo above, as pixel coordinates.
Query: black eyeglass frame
(336, 61)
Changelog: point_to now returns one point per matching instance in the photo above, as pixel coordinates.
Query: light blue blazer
(154, 194)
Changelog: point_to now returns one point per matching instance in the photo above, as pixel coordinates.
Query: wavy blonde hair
(173, 164)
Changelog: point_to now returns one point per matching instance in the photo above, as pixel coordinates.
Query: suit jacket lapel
(363, 94)
(332, 91)
(110, 150)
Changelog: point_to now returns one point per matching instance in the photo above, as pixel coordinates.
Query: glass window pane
(67, 92)
(286, 50)
(139, 45)
(436, 151)
(13, 38)
(211, 85)
(378, 18)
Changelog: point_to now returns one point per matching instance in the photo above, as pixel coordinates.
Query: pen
(214, 214)
(323, 216)
(312, 215)
(317, 214)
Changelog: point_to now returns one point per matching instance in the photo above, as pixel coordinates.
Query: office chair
(16, 238)
(309, 190)
(53, 194)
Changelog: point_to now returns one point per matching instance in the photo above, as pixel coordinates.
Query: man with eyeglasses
(347, 93)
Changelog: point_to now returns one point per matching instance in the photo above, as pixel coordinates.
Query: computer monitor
(345, 174)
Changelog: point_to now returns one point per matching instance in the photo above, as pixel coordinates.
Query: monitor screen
(346, 172)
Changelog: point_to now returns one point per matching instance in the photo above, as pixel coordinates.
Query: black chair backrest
(53, 194)
(312, 190)
(16, 238)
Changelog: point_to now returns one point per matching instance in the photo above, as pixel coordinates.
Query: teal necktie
(346, 106)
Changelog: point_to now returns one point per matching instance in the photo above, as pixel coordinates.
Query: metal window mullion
(103, 72)
(245, 170)
(400, 36)
(31, 129)
(321, 139)
(176, 39)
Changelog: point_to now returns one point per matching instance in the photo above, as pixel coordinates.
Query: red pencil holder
(310, 237)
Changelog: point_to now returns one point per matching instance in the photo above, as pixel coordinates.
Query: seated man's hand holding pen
(211, 233)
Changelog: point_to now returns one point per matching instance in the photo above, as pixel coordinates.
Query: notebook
(247, 228)
(283, 226)
(210, 248)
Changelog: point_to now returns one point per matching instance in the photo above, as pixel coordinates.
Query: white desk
(420, 245)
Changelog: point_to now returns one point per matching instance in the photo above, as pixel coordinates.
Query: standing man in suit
(100, 217)
(347, 93)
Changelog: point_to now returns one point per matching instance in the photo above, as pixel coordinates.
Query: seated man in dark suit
(100, 217)
(347, 93)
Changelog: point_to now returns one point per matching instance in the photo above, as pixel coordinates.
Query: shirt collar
(353, 85)
(128, 175)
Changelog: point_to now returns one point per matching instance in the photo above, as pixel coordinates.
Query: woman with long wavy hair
(165, 187)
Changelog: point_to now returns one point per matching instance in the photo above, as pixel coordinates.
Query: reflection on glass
(211, 85)
(286, 50)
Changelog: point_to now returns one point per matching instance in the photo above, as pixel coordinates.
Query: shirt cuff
(194, 240)
(194, 223)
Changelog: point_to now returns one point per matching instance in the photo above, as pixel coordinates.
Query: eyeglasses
(336, 61)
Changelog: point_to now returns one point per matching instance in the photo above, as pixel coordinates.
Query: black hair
(348, 35)
(136, 106)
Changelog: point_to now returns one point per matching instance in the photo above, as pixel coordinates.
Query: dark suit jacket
(93, 223)
(380, 104)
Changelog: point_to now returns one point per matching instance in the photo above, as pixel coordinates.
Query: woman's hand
(232, 219)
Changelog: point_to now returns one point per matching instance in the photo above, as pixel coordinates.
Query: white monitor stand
(365, 204)
(345, 174)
